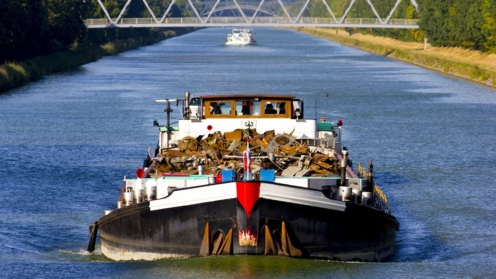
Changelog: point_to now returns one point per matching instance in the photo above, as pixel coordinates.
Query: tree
(66, 25)
(488, 27)
(22, 29)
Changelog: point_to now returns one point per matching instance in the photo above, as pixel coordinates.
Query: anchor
(270, 248)
(218, 246)
(276, 244)
(283, 248)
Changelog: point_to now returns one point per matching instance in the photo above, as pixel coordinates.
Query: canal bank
(15, 74)
(469, 65)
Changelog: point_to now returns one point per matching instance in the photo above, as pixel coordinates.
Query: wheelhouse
(246, 106)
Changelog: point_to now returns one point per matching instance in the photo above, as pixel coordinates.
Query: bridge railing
(395, 21)
(258, 20)
(400, 21)
(97, 21)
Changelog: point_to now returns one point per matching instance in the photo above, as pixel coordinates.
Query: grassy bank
(15, 74)
(470, 65)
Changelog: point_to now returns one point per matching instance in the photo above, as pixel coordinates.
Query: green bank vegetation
(30, 28)
(361, 9)
(39, 37)
(438, 59)
(468, 24)
(15, 74)
(448, 25)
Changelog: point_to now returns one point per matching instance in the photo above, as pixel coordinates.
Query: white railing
(258, 21)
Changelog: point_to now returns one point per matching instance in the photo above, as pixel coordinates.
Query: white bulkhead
(302, 129)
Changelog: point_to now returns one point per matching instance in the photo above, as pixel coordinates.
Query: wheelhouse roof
(242, 96)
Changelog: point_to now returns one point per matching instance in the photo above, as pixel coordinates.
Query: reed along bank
(17, 73)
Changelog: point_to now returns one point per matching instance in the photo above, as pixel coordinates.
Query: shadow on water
(239, 267)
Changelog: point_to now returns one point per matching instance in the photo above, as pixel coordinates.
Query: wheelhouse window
(218, 108)
(247, 108)
(275, 108)
(271, 108)
(242, 107)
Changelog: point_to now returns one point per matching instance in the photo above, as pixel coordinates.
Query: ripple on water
(67, 141)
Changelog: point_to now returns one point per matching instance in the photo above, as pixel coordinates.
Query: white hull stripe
(225, 191)
(196, 195)
(301, 196)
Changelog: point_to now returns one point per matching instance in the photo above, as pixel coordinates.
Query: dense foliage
(30, 28)
(36, 27)
(455, 23)
(460, 23)
(404, 11)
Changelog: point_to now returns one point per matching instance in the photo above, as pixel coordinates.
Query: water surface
(67, 141)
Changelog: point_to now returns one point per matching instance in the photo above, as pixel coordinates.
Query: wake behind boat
(248, 174)
(240, 37)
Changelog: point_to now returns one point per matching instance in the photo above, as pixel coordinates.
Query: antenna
(168, 110)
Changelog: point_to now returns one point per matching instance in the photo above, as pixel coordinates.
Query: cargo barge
(248, 174)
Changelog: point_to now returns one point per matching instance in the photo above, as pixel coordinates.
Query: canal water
(67, 141)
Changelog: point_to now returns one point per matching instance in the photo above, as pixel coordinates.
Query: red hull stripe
(248, 193)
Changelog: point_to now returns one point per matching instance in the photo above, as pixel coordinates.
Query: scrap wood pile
(282, 153)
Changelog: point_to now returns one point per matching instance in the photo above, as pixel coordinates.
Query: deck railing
(319, 142)
(323, 142)
(380, 199)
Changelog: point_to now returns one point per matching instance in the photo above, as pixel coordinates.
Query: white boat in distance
(240, 37)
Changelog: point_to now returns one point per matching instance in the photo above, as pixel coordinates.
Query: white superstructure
(224, 113)
(240, 37)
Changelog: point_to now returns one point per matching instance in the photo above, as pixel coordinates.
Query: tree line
(451, 23)
(460, 23)
(30, 28)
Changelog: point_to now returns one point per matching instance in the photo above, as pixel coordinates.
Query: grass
(472, 65)
(15, 74)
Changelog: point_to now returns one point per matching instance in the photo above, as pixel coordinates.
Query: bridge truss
(252, 13)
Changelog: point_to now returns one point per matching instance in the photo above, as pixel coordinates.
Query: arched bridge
(252, 13)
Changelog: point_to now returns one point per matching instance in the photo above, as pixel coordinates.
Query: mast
(168, 110)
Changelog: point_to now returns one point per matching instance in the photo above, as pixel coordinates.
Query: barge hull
(358, 232)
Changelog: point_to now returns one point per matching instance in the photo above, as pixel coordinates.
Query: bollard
(128, 196)
(344, 163)
(211, 179)
(356, 196)
(139, 191)
(150, 192)
(367, 198)
(344, 193)
(370, 177)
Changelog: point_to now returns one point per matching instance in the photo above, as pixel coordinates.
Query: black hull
(359, 233)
